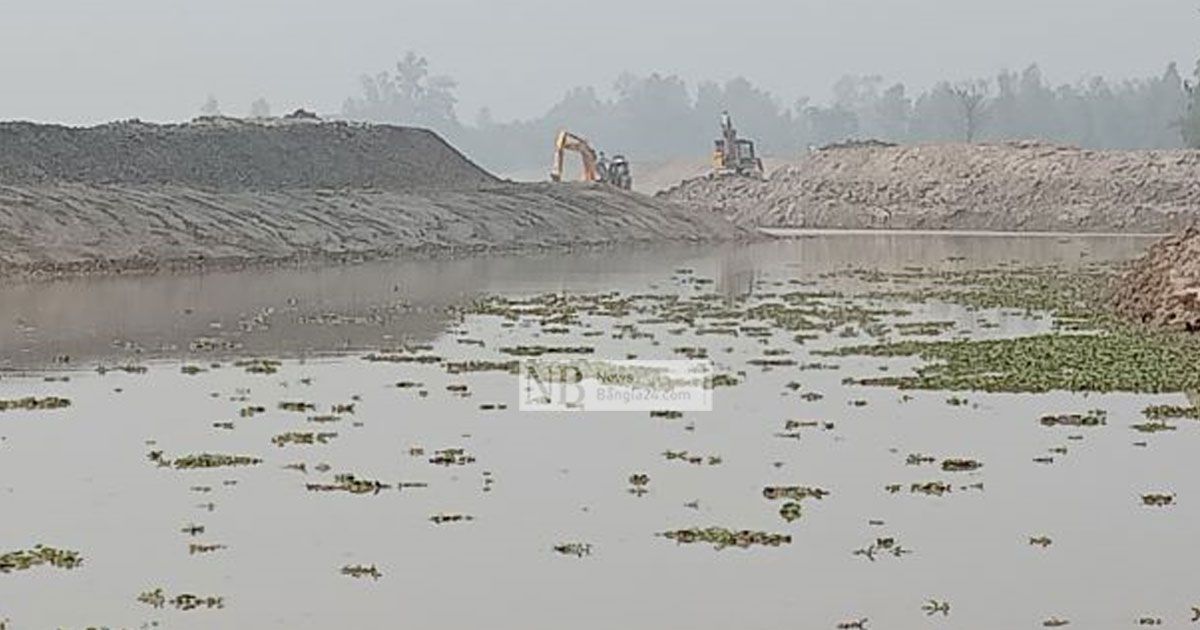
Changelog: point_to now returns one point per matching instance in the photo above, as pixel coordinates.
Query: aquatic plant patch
(1123, 359)
(40, 555)
(722, 538)
(31, 403)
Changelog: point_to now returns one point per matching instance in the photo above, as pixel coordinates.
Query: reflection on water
(80, 478)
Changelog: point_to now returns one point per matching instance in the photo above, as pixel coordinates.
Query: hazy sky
(82, 61)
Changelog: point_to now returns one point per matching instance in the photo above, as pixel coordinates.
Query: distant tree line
(658, 117)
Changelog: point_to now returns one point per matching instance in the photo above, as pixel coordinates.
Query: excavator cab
(745, 152)
(618, 173)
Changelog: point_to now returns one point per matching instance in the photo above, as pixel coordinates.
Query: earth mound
(1020, 186)
(1163, 287)
(229, 154)
(225, 192)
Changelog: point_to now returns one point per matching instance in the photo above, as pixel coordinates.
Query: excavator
(733, 155)
(596, 168)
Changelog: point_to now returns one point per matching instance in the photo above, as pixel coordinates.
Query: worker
(726, 123)
(602, 167)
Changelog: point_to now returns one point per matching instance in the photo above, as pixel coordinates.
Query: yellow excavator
(733, 155)
(596, 167)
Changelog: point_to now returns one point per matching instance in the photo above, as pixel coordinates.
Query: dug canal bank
(1025, 187)
(219, 193)
(1162, 288)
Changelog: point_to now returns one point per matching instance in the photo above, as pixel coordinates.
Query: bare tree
(972, 98)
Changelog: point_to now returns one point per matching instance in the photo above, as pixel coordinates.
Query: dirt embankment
(133, 196)
(1018, 186)
(1162, 288)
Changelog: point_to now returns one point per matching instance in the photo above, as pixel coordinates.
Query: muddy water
(80, 478)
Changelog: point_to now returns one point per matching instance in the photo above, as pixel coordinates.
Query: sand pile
(132, 196)
(1017, 186)
(1163, 287)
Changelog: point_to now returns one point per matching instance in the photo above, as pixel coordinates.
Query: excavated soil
(1163, 287)
(1010, 187)
(221, 192)
(230, 154)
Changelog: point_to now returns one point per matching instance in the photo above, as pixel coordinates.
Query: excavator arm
(568, 141)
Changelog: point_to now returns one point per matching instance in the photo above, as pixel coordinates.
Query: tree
(936, 115)
(659, 116)
(825, 125)
(1190, 125)
(651, 117)
(893, 111)
(210, 107)
(971, 97)
(483, 118)
(411, 95)
(260, 108)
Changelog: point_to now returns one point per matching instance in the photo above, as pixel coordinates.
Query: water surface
(80, 478)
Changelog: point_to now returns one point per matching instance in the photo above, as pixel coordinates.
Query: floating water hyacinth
(303, 438)
(31, 403)
(202, 548)
(577, 549)
(439, 519)
(360, 571)
(882, 546)
(40, 555)
(638, 483)
(1093, 418)
(452, 457)
(722, 538)
(934, 607)
(795, 493)
(791, 511)
(204, 460)
(1158, 500)
(259, 366)
(931, 488)
(351, 484)
(184, 602)
(1163, 412)
(960, 465)
(1153, 426)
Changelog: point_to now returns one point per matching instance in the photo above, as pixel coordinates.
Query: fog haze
(83, 62)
